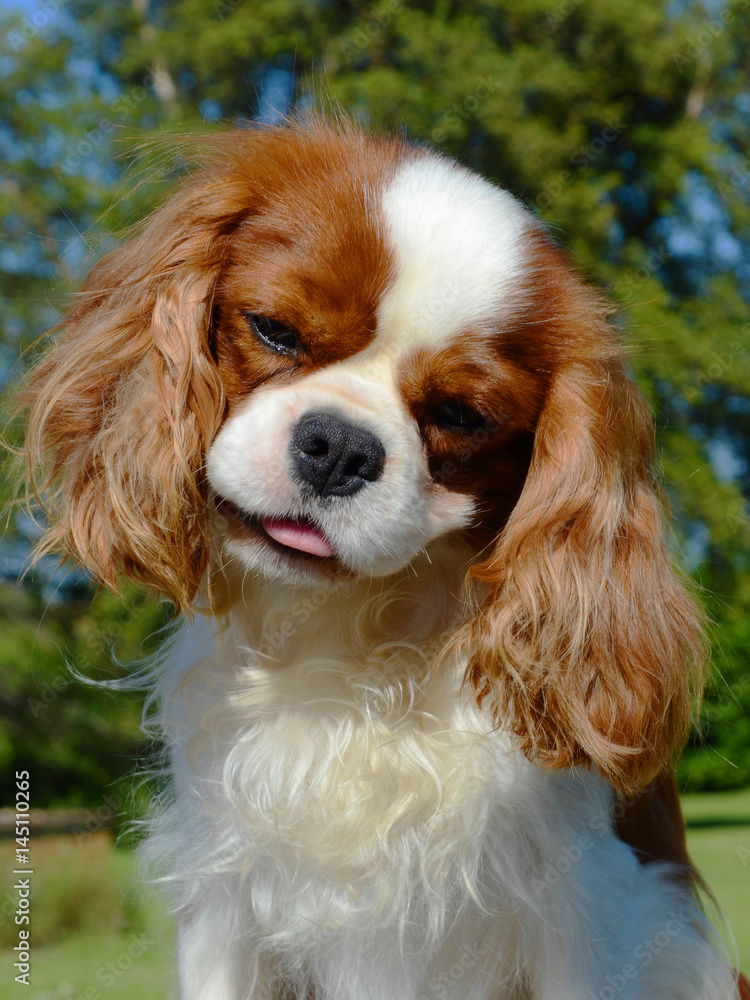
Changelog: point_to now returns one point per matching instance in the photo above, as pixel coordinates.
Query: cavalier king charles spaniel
(346, 404)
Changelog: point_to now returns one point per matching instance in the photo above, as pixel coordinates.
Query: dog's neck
(335, 707)
(363, 619)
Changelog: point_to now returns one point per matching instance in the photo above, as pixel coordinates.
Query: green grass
(94, 938)
(91, 966)
(719, 844)
(717, 808)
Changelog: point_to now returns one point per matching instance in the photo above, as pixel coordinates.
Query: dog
(347, 405)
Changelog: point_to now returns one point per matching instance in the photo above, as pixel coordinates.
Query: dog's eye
(453, 415)
(280, 337)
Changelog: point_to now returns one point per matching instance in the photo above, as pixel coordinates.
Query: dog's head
(332, 351)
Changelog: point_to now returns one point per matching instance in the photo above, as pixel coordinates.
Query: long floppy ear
(124, 406)
(586, 643)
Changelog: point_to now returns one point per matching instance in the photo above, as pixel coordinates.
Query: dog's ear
(125, 404)
(586, 642)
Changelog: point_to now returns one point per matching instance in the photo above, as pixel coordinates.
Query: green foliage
(718, 755)
(78, 741)
(624, 124)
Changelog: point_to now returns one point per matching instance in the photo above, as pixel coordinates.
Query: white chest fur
(347, 821)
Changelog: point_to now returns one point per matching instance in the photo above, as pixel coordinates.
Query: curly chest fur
(351, 762)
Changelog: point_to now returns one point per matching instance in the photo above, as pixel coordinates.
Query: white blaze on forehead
(459, 253)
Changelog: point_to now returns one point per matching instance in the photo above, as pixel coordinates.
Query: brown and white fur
(346, 404)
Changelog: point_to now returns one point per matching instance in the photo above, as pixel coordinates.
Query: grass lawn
(91, 966)
(94, 938)
(719, 843)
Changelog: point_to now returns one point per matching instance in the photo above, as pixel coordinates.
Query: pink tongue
(297, 535)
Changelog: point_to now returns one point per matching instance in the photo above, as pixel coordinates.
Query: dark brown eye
(453, 415)
(280, 337)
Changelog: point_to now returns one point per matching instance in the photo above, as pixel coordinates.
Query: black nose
(336, 458)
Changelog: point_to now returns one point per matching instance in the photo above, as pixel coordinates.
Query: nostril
(318, 446)
(355, 465)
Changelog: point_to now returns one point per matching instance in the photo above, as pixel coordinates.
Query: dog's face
(376, 399)
(329, 351)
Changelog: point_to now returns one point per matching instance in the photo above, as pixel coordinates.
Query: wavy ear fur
(586, 642)
(124, 406)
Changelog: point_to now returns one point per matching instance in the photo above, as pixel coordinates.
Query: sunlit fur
(396, 783)
(586, 642)
(344, 820)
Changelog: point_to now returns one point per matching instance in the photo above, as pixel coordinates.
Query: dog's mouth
(298, 538)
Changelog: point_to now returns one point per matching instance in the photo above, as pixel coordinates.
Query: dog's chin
(292, 550)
